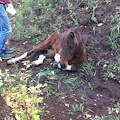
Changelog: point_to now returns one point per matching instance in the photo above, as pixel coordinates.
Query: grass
(76, 108)
(25, 27)
(93, 18)
(21, 99)
(106, 118)
(112, 69)
(115, 109)
(74, 83)
(88, 69)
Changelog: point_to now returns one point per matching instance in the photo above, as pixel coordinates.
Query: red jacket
(5, 1)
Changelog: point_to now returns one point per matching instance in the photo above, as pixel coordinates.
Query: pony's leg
(13, 60)
(71, 68)
(49, 41)
(50, 54)
(42, 57)
(39, 60)
(57, 57)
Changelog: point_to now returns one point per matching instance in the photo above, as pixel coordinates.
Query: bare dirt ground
(102, 94)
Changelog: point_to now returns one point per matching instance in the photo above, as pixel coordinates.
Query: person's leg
(5, 28)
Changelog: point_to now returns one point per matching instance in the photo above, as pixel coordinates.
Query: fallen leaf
(67, 105)
(104, 65)
(19, 5)
(40, 5)
(52, 72)
(37, 32)
(17, 117)
(100, 24)
(87, 8)
(25, 42)
(94, 28)
(88, 116)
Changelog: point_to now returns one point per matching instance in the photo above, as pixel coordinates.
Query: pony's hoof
(34, 63)
(9, 62)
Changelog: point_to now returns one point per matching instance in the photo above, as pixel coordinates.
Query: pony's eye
(72, 47)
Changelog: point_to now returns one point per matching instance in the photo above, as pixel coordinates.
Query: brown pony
(68, 50)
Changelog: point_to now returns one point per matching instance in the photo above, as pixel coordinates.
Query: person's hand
(11, 9)
(10, 5)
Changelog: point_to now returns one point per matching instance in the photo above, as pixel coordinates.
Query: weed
(112, 42)
(72, 13)
(108, 1)
(115, 29)
(105, 118)
(93, 18)
(74, 83)
(112, 71)
(49, 73)
(19, 98)
(88, 69)
(31, 19)
(61, 94)
(92, 3)
(116, 108)
(48, 89)
(76, 108)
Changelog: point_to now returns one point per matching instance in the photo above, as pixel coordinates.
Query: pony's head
(70, 44)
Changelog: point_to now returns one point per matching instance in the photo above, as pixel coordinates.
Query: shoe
(5, 56)
(8, 50)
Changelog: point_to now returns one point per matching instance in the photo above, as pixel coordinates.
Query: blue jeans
(5, 27)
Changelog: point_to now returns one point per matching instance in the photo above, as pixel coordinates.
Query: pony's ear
(70, 40)
(71, 35)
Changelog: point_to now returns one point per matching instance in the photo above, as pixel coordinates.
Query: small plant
(112, 71)
(23, 101)
(48, 89)
(88, 69)
(72, 13)
(31, 19)
(116, 109)
(105, 118)
(108, 1)
(76, 108)
(93, 18)
(92, 3)
(112, 42)
(115, 29)
(74, 83)
(49, 73)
